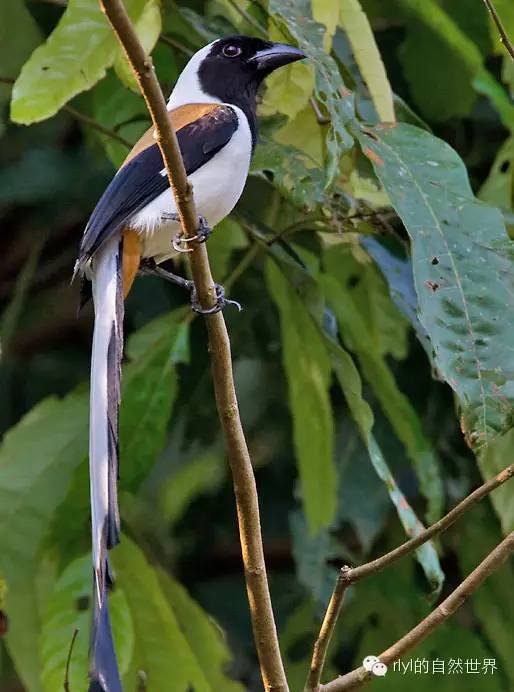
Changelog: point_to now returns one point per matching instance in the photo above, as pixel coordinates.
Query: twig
(249, 19)
(261, 611)
(348, 576)
(66, 685)
(169, 41)
(501, 30)
(322, 119)
(458, 597)
(82, 117)
(326, 631)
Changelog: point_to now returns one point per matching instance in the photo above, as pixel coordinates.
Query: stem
(82, 117)
(325, 634)
(66, 684)
(348, 576)
(272, 669)
(501, 30)
(455, 600)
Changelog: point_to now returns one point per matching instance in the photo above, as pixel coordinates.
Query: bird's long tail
(103, 452)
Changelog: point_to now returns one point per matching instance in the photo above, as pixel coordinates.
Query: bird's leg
(149, 267)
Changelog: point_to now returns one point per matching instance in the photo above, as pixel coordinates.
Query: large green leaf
(463, 271)
(498, 188)
(308, 373)
(149, 390)
(494, 459)
(37, 460)
(161, 649)
(401, 414)
(367, 56)
(16, 44)
(203, 635)
(69, 609)
(329, 87)
(300, 281)
(75, 56)
(434, 18)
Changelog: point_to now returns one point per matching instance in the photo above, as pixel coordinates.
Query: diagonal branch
(348, 576)
(272, 669)
(501, 29)
(444, 610)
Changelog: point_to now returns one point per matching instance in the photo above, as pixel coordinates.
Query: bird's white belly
(217, 186)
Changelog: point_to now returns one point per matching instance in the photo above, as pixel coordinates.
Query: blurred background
(176, 495)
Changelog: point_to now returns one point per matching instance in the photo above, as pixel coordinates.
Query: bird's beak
(277, 55)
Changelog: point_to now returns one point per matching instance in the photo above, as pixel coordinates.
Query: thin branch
(169, 41)
(83, 118)
(438, 527)
(446, 609)
(348, 576)
(325, 634)
(501, 29)
(261, 611)
(249, 19)
(66, 685)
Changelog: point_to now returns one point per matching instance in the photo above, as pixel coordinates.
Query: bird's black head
(234, 68)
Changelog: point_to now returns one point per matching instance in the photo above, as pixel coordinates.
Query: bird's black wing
(142, 179)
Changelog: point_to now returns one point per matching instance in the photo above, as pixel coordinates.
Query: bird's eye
(231, 51)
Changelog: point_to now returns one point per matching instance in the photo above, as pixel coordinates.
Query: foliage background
(316, 415)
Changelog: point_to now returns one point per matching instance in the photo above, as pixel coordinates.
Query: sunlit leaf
(498, 188)
(494, 459)
(69, 609)
(462, 268)
(288, 90)
(74, 57)
(148, 28)
(364, 47)
(37, 460)
(330, 90)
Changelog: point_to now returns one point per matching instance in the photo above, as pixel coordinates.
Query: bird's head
(230, 70)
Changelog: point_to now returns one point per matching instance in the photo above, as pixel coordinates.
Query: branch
(261, 611)
(501, 30)
(82, 117)
(348, 576)
(446, 609)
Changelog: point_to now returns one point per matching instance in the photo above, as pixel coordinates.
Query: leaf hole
(82, 603)
(504, 166)
(353, 281)
(435, 260)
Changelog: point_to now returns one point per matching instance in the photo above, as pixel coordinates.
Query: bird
(134, 228)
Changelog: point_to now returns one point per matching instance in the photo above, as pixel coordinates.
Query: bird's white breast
(217, 186)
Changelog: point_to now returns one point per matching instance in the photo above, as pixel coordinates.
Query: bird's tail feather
(107, 351)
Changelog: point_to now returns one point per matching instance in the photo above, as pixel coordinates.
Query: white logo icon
(372, 664)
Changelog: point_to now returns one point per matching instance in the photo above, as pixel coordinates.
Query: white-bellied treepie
(135, 227)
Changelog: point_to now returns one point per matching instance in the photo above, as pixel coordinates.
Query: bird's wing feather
(140, 180)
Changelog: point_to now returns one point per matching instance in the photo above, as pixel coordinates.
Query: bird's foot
(149, 267)
(221, 302)
(202, 233)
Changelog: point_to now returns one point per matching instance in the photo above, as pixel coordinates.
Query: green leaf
(161, 649)
(455, 45)
(16, 44)
(350, 382)
(330, 90)
(206, 639)
(494, 459)
(351, 385)
(148, 28)
(37, 460)
(149, 391)
(462, 268)
(292, 172)
(228, 238)
(75, 56)
(498, 188)
(69, 609)
(308, 370)
(364, 47)
(288, 90)
(398, 409)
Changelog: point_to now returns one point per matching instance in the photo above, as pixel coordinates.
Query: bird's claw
(221, 302)
(202, 233)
